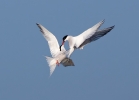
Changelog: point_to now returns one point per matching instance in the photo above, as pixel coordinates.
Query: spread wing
(52, 41)
(67, 62)
(98, 34)
(88, 33)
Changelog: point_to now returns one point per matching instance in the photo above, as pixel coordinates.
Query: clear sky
(107, 69)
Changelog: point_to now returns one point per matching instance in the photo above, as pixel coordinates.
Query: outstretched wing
(88, 33)
(97, 35)
(67, 62)
(52, 41)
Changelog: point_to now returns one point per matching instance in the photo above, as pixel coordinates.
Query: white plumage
(57, 55)
(86, 37)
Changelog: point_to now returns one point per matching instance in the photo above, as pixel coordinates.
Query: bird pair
(59, 53)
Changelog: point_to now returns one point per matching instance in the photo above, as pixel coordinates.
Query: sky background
(107, 69)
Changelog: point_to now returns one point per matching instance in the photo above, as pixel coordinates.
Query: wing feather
(88, 33)
(52, 41)
(97, 35)
(67, 62)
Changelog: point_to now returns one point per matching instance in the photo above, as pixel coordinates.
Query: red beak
(63, 42)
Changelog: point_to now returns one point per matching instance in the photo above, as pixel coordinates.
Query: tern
(92, 34)
(57, 55)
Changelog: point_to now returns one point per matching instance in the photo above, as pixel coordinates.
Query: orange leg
(57, 62)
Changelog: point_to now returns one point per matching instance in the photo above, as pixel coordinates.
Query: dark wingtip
(37, 24)
(112, 26)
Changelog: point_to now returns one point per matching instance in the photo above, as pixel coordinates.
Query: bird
(58, 56)
(91, 34)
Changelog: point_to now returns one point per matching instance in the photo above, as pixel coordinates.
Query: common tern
(92, 34)
(57, 55)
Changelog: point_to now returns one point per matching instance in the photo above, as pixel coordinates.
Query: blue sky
(106, 69)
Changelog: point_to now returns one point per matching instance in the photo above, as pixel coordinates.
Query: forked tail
(52, 64)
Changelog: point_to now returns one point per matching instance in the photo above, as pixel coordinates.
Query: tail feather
(52, 64)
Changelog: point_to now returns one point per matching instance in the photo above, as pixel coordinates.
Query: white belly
(60, 57)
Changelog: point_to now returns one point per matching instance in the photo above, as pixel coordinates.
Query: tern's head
(64, 39)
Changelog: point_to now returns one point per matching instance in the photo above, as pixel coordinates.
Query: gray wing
(88, 33)
(67, 62)
(97, 35)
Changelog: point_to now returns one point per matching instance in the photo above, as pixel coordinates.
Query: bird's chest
(72, 42)
(78, 41)
(60, 57)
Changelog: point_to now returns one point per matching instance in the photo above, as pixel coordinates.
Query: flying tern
(92, 34)
(57, 55)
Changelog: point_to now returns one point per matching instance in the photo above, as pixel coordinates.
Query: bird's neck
(71, 41)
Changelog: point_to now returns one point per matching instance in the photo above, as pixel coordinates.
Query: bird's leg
(57, 63)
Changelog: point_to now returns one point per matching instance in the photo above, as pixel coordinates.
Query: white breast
(60, 57)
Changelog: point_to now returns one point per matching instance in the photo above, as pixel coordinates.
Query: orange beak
(63, 42)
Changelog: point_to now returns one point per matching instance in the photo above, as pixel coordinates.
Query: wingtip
(103, 20)
(113, 26)
(37, 23)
